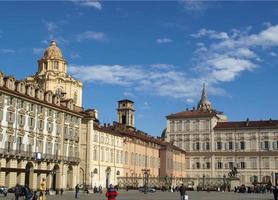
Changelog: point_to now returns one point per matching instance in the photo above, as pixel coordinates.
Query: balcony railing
(6, 152)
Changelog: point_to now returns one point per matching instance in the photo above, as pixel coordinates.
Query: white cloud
(129, 94)
(89, 3)
(74, 55)
(38, 51)
(227, 55)
(162, 66)
(189, 100)
(211, 33)
(273, 54)
(194, 5)
(223, 58)
(141, 78)
(51, 26)
(7, 51)
(91, 35)
(163, 40)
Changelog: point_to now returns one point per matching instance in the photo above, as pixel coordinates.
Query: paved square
(135, 195)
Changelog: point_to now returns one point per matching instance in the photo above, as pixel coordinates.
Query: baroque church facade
(214, 146)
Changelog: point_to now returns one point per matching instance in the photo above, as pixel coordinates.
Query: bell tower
(126, 112)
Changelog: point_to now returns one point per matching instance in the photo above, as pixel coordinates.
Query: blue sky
(157, 54)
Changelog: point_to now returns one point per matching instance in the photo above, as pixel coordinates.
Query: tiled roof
(120, 130)
(247, 124)
(191, 114)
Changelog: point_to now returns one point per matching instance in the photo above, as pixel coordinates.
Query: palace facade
(214, 145)
(46, 133)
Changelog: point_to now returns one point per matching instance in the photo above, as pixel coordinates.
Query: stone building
(39, 136)
(214, 145)
(46, 133)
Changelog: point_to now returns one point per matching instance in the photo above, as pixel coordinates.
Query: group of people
(111, 193)
(26, 193)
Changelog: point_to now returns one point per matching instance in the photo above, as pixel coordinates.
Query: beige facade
(214, 146)
(45, 133)
(39, 137)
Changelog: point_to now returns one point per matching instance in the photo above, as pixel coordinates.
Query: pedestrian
(100, 189)
(275, 192)
(76, 191)
(43, 189)
(182, 192)
(17, 191)
(35, 196)
(111, 193)
(61, 191)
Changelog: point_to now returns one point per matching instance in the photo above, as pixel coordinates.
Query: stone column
(11, 176)
(2, 174)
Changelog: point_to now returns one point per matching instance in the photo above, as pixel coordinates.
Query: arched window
(75, 97)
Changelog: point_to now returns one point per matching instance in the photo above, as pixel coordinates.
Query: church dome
(53, 52)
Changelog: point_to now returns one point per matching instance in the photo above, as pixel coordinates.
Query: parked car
(3, 190)
(148, 189)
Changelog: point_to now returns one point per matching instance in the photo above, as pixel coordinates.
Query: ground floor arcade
(24, 172)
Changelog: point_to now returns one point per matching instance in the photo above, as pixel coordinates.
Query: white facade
(214, 146)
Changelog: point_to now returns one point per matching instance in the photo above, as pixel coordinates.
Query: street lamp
(146, 173)
(92, 175)
(203, 181)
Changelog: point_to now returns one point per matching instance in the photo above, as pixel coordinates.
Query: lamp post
(224, 182)
(146, 173)
(92, 175)
(203, 181)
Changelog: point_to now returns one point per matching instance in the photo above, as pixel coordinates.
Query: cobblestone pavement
(135, 195)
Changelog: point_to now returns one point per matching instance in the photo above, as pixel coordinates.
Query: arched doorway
(55, 177)
(29, 172)
(107, 179)
(70, 177)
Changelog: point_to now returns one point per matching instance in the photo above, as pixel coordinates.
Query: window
(242, 145)
(219, 165)
(40, 125)
(179, 125)
(207, 146)
(207, 165)
(266, 145)
(198, 165)
(19, 145)
(49, 127)
(253, 162)
(10, 117)
(219, 145)
(197, 146)
(172, 126)
(95, 153)
(242, 165)
(126, 157)
(21, 120)
(55, 64)
(40, 146)
(231, 165)
(49, 148)
(31, 122)
(58, 129)
(230, 145)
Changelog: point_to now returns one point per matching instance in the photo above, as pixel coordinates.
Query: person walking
(182, 192)
(111, 193)
(76, 191)
(17, 191)
(43, 189)
(275, 192)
